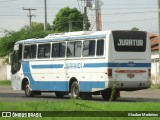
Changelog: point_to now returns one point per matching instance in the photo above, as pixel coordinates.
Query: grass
(81, 105)
(5, 82)
(156, 86)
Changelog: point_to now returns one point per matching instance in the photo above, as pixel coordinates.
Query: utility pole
(87, 3)
(85, 18)
(98, 15)
(45, 15)
(30, 15)
(159, 36)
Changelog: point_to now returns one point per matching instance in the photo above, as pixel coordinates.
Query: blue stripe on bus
(47, 66)
(94, 65)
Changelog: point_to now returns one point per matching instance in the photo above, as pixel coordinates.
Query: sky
(116, 14)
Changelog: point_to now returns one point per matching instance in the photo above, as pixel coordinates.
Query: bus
(82, 64)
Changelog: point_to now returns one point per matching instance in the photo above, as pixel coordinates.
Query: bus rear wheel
(107, 95)
(60, 94)
(28, 91)
(75, 90)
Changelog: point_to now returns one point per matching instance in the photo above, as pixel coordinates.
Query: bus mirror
(16, 47)
(10, 58)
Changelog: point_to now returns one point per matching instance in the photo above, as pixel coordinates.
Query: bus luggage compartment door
(131, 72)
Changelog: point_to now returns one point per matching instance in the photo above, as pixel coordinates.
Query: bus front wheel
(75, 90)
(28, 91)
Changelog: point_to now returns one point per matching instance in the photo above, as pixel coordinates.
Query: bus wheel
(59, 94)
(106, 94)
(28, 91)
(75, 90)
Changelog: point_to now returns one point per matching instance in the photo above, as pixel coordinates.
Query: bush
(156, 86)
(7, 42)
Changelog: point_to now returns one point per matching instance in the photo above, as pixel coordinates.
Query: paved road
(6, 94)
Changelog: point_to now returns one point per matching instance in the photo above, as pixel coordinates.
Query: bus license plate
(130, 75)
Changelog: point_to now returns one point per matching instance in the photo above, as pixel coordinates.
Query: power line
(12, 15)
(130, 4)
(128, 8)
(49, 5)
(9, 1)
(131, 20)
(102, 14)
(130, 12)
(81, 3)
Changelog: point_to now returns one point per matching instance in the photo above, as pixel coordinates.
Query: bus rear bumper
(129, 85)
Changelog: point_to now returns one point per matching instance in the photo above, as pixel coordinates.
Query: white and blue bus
(82, 64)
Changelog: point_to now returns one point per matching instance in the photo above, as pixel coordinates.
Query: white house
(155, 58)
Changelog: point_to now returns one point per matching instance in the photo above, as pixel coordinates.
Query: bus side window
(44, 50)
(62, 48)
(58, 49)
(30, 51)
(89, 48)
(41, 51)
(47, 50)
(55, 50)
(70, 49)
(33, 51)
(74, 49)
(100, 47)
(78, 46)
(26, 51)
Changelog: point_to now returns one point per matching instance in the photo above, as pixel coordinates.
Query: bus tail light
(109, 72)
(149, 72)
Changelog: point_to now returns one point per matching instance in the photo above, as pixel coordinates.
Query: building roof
(154, 41)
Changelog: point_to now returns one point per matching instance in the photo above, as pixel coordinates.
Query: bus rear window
(129, 41)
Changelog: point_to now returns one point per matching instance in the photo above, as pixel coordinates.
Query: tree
(35, 26)
(7, 42)
(69, 18)
(134, 29)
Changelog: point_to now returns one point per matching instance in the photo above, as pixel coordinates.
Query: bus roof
(69, 37)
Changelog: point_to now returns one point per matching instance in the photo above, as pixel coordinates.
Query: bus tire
(106, 94)
(59, 94)
(28, 91)
(75, 90)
